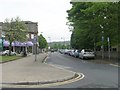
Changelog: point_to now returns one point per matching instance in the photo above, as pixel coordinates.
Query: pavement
(29, 71)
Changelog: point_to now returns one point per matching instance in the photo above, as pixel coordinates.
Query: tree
(89, 19)
(42, 42)
(55, 46)
(15, 30)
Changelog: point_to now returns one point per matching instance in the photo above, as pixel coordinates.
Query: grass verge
(8, 58)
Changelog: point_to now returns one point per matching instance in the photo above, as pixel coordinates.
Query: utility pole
(35, 43)
(50, 41)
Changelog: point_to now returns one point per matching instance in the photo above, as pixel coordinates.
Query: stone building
(32, 29)
(32, 32)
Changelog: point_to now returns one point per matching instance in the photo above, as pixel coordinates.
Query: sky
(50, 15)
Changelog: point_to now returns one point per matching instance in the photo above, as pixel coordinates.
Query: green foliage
(60, 46)
(15, 30)
(42, 42)
(89, 19)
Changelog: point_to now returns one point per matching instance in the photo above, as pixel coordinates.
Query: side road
(28, 70)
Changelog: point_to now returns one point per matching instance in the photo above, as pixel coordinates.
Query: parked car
(76, 53)
(66, 51)
(6, 52)
(71, 53)
(86, 53)
(61, 51)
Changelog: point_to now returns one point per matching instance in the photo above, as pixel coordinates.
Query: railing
(113, 55)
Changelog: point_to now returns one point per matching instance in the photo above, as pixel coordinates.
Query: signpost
(35, 43)
(108, 39)
(102, 45)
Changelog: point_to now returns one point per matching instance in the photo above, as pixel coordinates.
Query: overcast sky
(50, 15)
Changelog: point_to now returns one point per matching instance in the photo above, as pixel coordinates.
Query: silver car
(76, 53)
(71, 53)
(86, 53)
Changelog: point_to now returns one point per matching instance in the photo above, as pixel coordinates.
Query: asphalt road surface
(96, 75)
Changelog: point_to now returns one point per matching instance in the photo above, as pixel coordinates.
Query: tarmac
(27, 71)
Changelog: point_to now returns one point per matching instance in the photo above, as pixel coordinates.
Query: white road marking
(59, 66)
(114, 65)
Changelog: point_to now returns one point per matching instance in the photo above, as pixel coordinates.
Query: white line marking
(59, 66)
(114, 65)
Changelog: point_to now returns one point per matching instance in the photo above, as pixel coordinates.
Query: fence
(113, 55)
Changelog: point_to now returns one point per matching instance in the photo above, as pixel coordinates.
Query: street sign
(35, 40)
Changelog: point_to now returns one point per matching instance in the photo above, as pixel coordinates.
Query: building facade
(32, 32)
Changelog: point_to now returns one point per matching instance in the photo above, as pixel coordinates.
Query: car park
(86, 53)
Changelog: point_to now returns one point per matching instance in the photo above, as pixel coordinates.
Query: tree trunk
(10, 46)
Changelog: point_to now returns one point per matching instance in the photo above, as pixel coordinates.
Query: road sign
(35, 40)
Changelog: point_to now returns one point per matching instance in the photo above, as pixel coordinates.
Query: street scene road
(96, 75)
(59, 44)
(27, 72)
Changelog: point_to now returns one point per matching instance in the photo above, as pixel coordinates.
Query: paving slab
(29, 70)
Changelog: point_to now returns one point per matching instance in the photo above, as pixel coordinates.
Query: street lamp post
(50, 41)
(102, 46)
